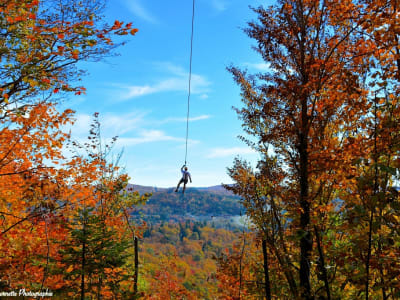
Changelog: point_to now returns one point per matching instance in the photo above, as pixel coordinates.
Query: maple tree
(30, 189)
(42, 41)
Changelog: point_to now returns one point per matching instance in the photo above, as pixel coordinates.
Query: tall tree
(305, 105)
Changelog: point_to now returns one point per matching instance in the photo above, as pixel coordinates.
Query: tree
(93, 257)
(239, 275)
(261, 193)
(104, 227)
(40, 46)
(304, 107)
(371, 202)
(33, 193)
(42, 42)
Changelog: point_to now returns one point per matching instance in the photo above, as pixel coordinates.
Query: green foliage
(93, 250)
(168, 205)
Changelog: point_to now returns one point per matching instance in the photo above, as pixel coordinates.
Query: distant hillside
(145, 189)
(199, 203)
(216, 189)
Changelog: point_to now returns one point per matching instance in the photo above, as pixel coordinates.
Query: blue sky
(141, 94)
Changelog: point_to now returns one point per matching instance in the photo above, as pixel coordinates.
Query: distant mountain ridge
(216, 189)
(199, 203)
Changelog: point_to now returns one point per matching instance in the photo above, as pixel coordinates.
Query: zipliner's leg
(179, 183)
(184, 186)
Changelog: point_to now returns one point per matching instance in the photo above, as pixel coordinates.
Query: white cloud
(111, 124)
(192, 119)
(81, 125)
(152, 136)
(137, 8)
(121, 124)
(259, 66)
(137, 91)
(126, 125)
(226, 152)
(147, 136)
(198, 118)
(178, 82)
(264, 67)
(219, 5)
(128, 128)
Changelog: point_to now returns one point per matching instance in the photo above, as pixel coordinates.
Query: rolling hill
(198, 203)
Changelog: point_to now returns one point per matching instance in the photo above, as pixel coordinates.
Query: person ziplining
(185, 174)
(185, 177)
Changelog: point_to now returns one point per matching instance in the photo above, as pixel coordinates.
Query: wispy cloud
(263, 67)
(219, 5)
(177, 81)
(111, 124)
(192, 119)
(152, 136)
(127, 125)
(137, 8)
(258, 66)
(128, 129)
(226, 152)
(137, 91)
(123, 123)
(147, 136)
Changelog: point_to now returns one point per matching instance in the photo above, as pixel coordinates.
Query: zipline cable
(190, 83)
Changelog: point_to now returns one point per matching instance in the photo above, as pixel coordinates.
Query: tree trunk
(368, 255)
(306, 238)
(375, 191)
(322, 264)
(241, 266)
(135, 283)
(83, 263)
(266, 274)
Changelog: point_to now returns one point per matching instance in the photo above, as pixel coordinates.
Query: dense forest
(168, 205)
(322, 202)
(180, 260)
